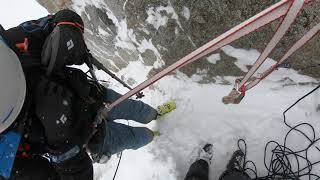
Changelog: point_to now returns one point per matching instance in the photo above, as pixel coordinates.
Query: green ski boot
(166, 108)
(156, 133)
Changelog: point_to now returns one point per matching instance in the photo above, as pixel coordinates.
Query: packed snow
(159, 16)
(103, 32)
(213, 58)
(155, 18)
(202, 117)
(186, 12)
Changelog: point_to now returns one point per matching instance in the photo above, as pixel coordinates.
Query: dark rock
(148, 57)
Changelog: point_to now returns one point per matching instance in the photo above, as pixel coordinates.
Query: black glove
(54, 105)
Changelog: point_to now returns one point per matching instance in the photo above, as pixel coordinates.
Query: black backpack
(4, 38)
(65, 45)
(29, 36)
(50, 42)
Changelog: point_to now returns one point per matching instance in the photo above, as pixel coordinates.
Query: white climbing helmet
(12, 86)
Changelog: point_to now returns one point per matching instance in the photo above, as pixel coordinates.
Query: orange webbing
(23, 47)
(77, 25)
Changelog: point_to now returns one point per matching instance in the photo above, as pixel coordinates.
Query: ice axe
(93, 61)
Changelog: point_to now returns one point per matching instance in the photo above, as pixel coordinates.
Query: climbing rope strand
(291, 15)
(300, 43)
(265, 17)
(286, 163)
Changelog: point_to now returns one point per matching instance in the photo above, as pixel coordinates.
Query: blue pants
(119, 137)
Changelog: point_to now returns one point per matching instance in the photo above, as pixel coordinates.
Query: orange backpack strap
(77, 25)
(23, 47)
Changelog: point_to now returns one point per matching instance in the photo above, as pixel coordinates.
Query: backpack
(29, 36)
(51, 42)
(65, 45)
(4, 38)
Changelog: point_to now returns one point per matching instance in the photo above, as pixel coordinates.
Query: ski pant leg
(130, 109)
(119, 137)
(234, 175)
(199, 170)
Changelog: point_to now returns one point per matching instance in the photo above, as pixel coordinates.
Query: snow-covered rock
(116, 30)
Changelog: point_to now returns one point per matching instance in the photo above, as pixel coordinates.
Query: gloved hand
(54, 107)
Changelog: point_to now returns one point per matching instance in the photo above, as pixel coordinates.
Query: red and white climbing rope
(286, 9)
(308, 36)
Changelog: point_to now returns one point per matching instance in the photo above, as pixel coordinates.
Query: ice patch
(124, 5)
(176, 31)
(248, 57)
(186, 12)
(146, 45)
(135, 70)
(156, 18)
(145, 30)
(78, 5)
(213, 58)
(126, 39)
(103, 32)
(244, 57)
(149, 45)
(123, 37)
(88, 16)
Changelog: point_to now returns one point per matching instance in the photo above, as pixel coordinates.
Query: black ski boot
(235, 168)
(206, 153)
(237, 161)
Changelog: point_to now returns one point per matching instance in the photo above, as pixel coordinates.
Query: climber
(40, 124)
(64, 102)
(199, 170)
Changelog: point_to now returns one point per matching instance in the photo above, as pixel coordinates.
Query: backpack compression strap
(77, 25)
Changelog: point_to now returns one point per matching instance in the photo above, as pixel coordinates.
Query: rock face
(159, 33)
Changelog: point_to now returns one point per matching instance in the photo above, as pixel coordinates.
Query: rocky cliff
(158, 33)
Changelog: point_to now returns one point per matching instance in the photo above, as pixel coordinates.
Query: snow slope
(14, 12)
(202, 117)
